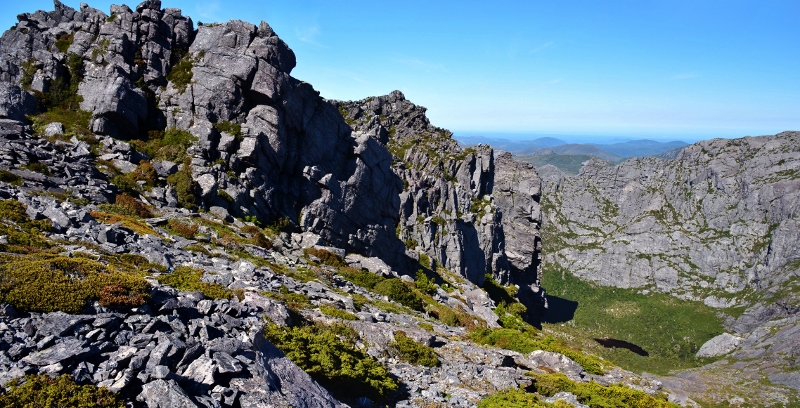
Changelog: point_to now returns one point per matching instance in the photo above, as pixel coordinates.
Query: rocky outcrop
(269, 147)
(149, 69)
(717, 224)
(461, 209)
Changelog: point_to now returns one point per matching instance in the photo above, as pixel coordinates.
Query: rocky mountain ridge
(716, 224)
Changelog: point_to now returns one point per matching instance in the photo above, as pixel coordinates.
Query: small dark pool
(613, 343)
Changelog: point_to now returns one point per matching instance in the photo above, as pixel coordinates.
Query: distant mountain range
(610, 151)
(569, 156)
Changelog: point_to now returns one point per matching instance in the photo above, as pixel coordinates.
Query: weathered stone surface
(291, 384)
(69, 348)
(457, 206)
(165, 394)
(557, 362)
(15, 103)
(719, 345)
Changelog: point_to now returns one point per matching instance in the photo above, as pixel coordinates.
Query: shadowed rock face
(464, 209)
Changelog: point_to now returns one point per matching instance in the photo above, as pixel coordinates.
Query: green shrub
(596, 395)
(344, 370)
(337, 313)
(233, 129)
(27, 70)
(425, 260)
(185, 186)
(62, 391)
(294, 301)
(144, 172)
(326, 257)
(528, 341)
(49, 283)
(24, 235)
(399, 292)
(63, 91)
(225, 196)
(10, 178)
(409, 350)
(39, 168)
(181, 73)
(183, 229)
(128, 206)
(188, 279)
(515, 398)
(438, 219)
(425, 284)
(365, 279)
(64, 41)
(168, 145)
(454, 316)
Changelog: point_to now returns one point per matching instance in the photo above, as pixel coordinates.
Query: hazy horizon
(582, 138)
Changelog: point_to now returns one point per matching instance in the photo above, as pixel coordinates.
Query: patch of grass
(517, 398)
(326, 257)
(167, 145)
(185, 186)
(38, 168)
(528, 341)
(10, 178)
(61, 391)
(130, 222)
(27, 70)
(24, 235)
(181, 73)
(409, 350)
(365, 279)
(294, 301)
(669, 329)
(231, 128)
(127, 206)
(48, 283)
(337, 313)
(396, 290)
(183, 229)
(188, 279)
(596, 395)
(333, 361)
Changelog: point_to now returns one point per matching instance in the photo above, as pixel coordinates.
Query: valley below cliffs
(715, 226)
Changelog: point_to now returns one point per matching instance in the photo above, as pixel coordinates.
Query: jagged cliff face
(718, 224)
(284, 153)
(462, 208)
(294, 157)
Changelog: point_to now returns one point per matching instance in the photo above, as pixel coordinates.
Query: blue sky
(676, 69)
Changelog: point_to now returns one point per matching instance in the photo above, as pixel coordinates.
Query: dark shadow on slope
(559, 310)
(614, 343)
